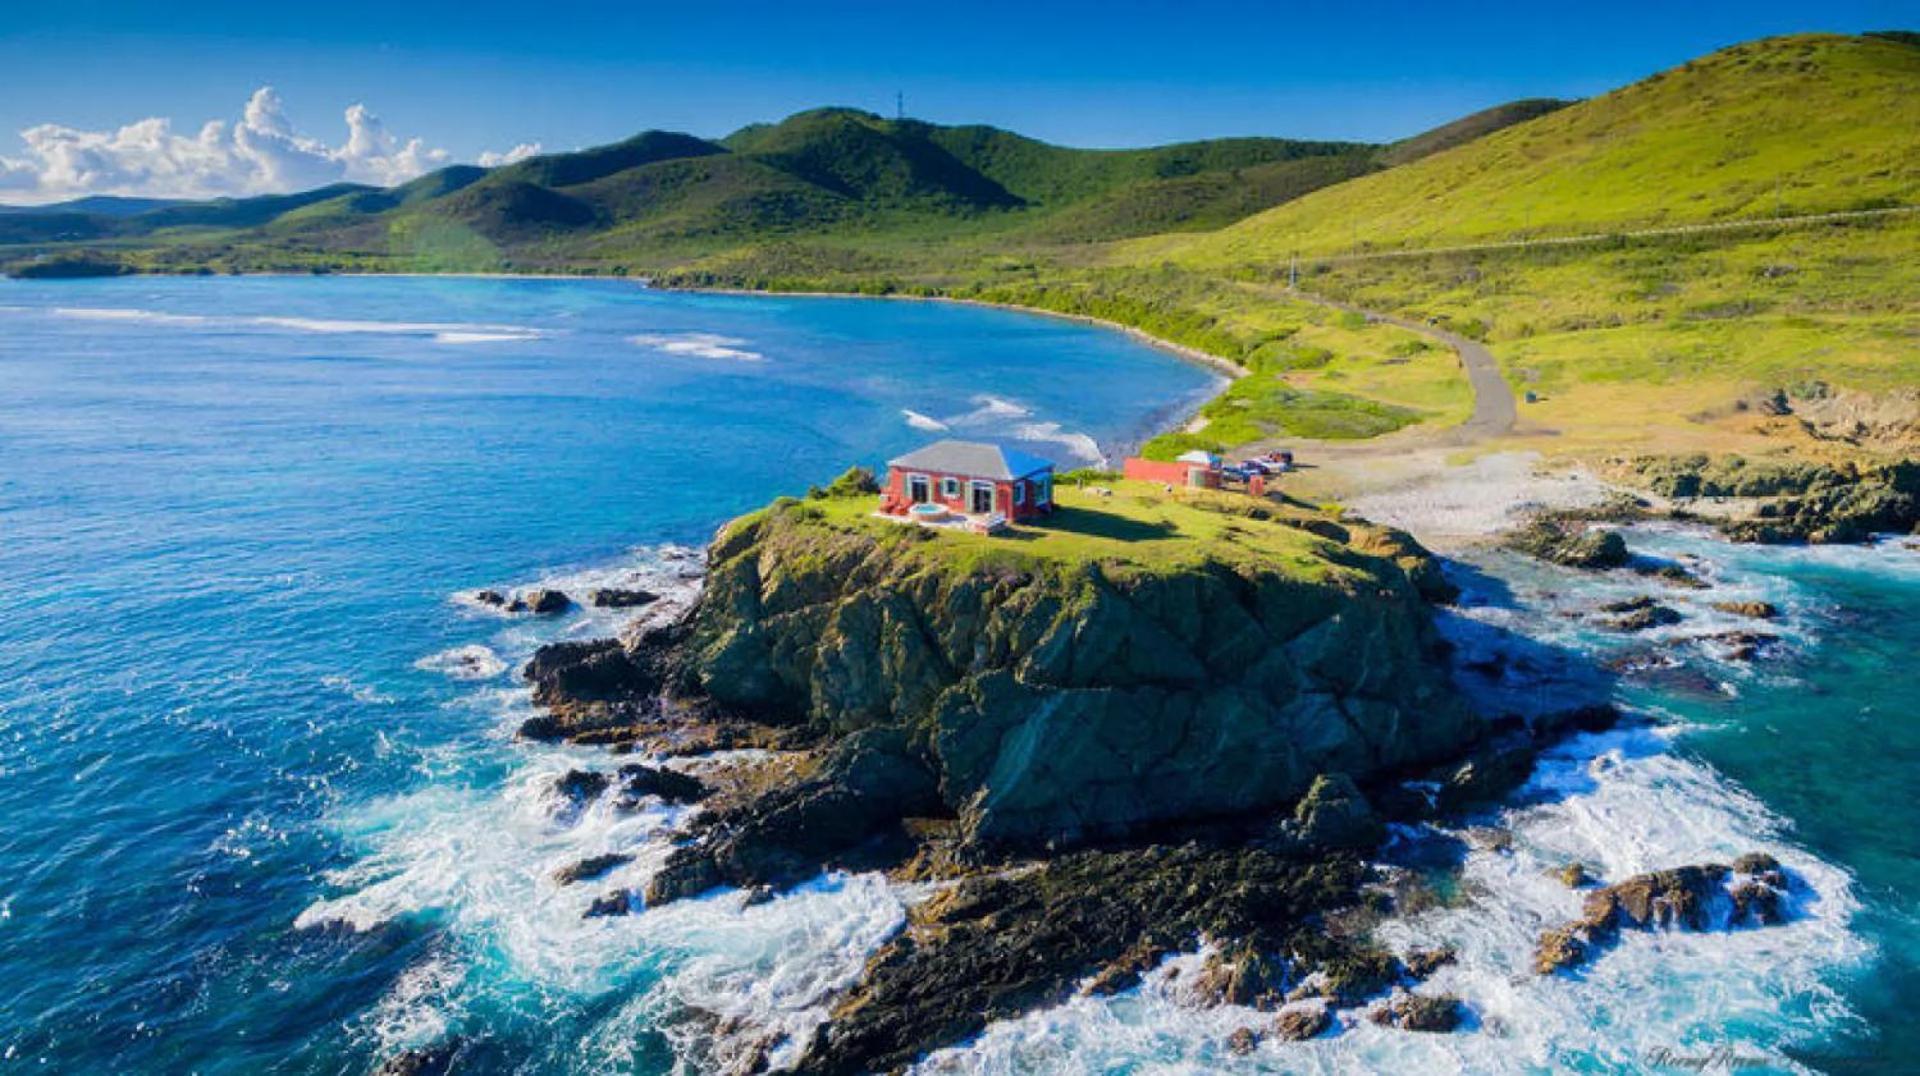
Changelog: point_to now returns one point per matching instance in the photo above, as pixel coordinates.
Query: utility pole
(899, 105)
(1293, 272)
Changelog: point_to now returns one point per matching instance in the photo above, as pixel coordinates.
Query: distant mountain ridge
(827, 170)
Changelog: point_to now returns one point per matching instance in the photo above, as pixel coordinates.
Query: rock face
(1751, 610)
(1639, 614)
(871, 781)
(1796, 501)
(1753, 890)
(590, 868)
(1332, 815)
(1302, 1020)
(543, 602)
(997, 945)
(617, 598)
(1059, 703)
(1570, 543)
(1418, 1012)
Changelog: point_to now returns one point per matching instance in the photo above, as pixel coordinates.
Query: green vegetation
(1137, 527)
(1807, 124)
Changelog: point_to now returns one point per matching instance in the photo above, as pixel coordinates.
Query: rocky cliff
(1151, 723)
(1058, 699)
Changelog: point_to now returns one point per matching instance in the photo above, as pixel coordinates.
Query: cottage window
(949, 488)
(1043, 490)
(1019, 493)
(917, 488)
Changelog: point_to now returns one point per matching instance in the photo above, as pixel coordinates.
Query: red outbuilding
(970, 478)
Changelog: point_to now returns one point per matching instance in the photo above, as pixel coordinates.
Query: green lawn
(1138, 526)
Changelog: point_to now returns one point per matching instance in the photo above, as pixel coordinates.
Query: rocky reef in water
(1146, 728)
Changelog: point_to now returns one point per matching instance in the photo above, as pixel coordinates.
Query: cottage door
(982, 498)
(917, 489)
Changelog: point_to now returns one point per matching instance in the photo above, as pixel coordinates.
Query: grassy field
(1137, 526)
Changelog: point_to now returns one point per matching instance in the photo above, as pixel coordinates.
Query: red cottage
(971, 478)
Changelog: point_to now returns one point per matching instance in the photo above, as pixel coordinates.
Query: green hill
(660, 198)
(1792, 125)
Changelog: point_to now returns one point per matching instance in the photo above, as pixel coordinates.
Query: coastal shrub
(853, 482)
(1085, 476)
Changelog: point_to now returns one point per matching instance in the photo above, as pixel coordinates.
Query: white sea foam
(998, 416)
(1082, 446)
(1621, 803)
(990, 409)
(698, 345)
(482, 865)
(923, 422)
(471, 662)
(152, 317)
(439, 332)
(445, 332)
(357, 691)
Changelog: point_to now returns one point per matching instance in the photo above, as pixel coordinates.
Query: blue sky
(480, 76)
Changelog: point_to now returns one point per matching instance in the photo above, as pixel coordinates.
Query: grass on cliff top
(1138, 526)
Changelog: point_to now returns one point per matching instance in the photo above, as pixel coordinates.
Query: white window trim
(949, 487)
(1020, 492)
(911, 478)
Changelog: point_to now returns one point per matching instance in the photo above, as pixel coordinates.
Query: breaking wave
(698, 345)
(439, 332)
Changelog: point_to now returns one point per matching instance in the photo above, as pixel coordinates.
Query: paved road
(1494, 408)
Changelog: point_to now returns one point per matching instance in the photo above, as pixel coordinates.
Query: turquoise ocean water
(260, 807)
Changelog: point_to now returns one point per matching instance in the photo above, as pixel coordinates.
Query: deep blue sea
(261, 809)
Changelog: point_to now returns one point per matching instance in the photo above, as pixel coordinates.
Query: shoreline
(1225, 366)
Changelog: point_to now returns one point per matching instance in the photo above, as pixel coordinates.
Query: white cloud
(261, 154)
(521, 152)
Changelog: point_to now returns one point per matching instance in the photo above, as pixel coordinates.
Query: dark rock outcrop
(436, 1060)
(590, 868)
(1638, 614)
(870, 782)
(1682, 898)
(617, 903)
(1419, 1012)
(1754, 610)
(997, 945)
(1742, 645)
(1570, 543)
(1060, 703)
(637, 782)
(1421, 963)
(583, 684)
(544, 602)
(1332, 815)
(1573, 875)
(1302, 1020)
(619, 598)
(1795, 500)
(490, 597)
(1242, 975)
(580, 786)
(1488, 773)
